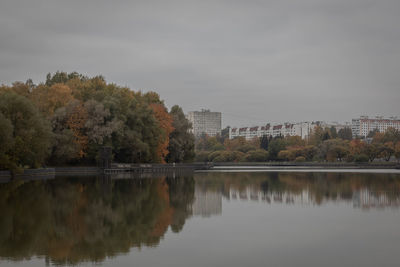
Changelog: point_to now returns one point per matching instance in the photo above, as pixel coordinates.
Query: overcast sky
(255, 61)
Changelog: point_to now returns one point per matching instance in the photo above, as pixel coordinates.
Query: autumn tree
(387, 150)
(397, 151)
(165, 121)
(318, 135)
(50, 98)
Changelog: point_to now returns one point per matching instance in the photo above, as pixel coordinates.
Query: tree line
(323, 145)
(69, 117)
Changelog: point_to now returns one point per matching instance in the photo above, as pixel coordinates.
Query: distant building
(364, 125)
(205, 121)
(338, 126)
(302, 129)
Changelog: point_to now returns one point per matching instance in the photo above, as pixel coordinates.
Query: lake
(235, 218)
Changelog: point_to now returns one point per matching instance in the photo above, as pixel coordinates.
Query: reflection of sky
(250, 233)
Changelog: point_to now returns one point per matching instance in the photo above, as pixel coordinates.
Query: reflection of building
(367, 199)
(205, 121)
(364, 198)
(300, 198)
(207, 203)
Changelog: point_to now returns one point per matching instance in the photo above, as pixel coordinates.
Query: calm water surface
(207, 219)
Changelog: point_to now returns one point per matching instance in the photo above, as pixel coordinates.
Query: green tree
(31, 133)
(391, 135)
(6, 142)
(99, 127)
(224, 135)
(333, 132)
(333, 149)
(181, 141)
(138, 141)
(372, 151)
(372, 133)
(63, 77)
(345, 133)
(264, 141)
(275, 146)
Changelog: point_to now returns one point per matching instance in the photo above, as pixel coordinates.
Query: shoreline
(150, 169)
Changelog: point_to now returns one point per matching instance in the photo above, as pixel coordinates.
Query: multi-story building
(364, 125)
(302, 129)
(205, 122)
(338, 126)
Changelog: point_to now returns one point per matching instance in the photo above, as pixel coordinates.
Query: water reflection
(75, 220)
(363, 191)
(207, 203)
(89, 219)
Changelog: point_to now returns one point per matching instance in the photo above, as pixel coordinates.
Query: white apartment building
(364, 125)
(205, 121)
(302, 129)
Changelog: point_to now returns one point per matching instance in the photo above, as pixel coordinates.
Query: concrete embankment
(115, 171)
(29, 174)
(349, 165)
(306, 167)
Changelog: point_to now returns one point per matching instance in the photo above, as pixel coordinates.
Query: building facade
(205, 122)
(363, 125)
(302, 129)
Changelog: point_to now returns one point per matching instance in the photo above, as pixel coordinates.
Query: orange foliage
(48, 99)
(76, 122)
(378, 138)
(165, 218)
(233, 144)
(356, 146)
(165, 121)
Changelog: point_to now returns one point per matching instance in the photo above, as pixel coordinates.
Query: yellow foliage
(48, 99)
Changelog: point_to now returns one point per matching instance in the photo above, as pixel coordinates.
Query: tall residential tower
(205, 121)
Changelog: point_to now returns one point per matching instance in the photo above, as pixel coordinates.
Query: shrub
(202, 156)
(300, 159)
(361, 158)
(226, 156)
(259, 155)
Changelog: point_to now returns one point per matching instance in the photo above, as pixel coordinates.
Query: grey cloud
(256, 61)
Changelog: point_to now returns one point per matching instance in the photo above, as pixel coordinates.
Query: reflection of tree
(181, 194)
(319, 186)
(70, 221)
